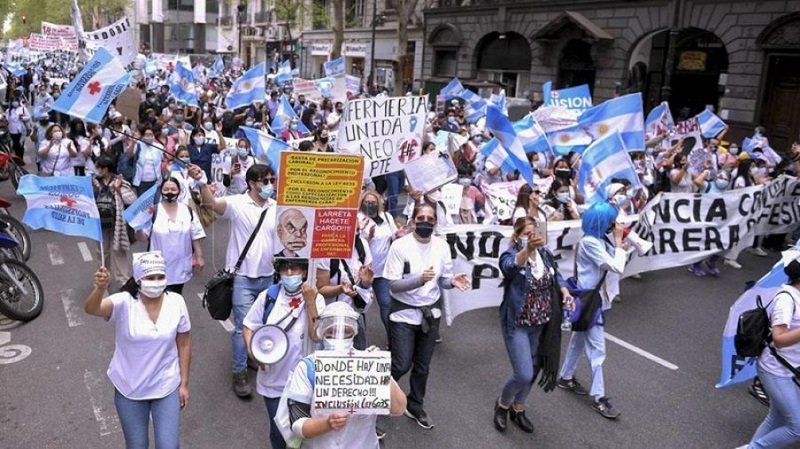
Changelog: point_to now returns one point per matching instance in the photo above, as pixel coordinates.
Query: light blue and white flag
(531, 135)
(497, 155)
(266, 147)
(748, 144)
(736, 368)
(659, 121)
(248, 89)
(217, 68)
(621, 115)
(90, 93)
(475, 106)
(325, 86)
(181, 84)
(710, 124)
(63, 204)
(150, 67)
(504, 132)
(285, 73)
(499, 101)
(15, 69)
(605, 159)
(452, 90)
(334, 67)
(42, 106)
(578, 98)
(139, 215)
(284, 115)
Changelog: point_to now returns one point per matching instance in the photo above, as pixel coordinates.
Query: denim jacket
(515, 283)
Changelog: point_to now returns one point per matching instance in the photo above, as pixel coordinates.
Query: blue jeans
(245, 290)
(781, 427)
(381, 288)
(410, 346)
(593, 342)
(522, 343)
(275, 437)
(134, 416)
(394, 185)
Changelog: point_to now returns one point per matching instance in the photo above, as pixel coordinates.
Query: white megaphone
(269, 344)
(642, 246)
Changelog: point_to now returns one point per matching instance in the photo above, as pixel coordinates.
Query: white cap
(612, 189)
(145, 264)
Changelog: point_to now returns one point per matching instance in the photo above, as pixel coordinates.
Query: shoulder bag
(588, 303)
(218, 297)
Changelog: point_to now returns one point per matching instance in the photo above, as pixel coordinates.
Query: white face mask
(153, 289)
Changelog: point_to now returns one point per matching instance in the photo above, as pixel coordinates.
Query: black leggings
(16, 144)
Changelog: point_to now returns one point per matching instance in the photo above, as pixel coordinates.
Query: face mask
(267, 191)
(205, 109)
(721, 184)
(58, 135)
(629, 194)
(424, 229)
(323, 140)
(292, 283)
(338, 344)
(370, 209)
(14, 104)
(153, 289)
(539, 164)
(147, 140)
(164, 131)
(620, 198)
(339, 111)
(293, 126)
(563, 173)
(562, 197)
(179, 118)
(170, 197)
(477, 139)
(464, 181)
(56, 95)
(185, 160)
(241, 152)
(199, 140)
(451, 120)
(649, 151)
(208, 126)
(734, 150)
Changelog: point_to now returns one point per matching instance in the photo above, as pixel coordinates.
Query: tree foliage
(101, 12)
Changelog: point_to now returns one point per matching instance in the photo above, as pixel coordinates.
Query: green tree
(100, 12)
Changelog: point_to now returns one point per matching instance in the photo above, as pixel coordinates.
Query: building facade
(741, 57)
(177, 26)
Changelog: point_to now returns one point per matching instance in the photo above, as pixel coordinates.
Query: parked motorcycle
(21, 292)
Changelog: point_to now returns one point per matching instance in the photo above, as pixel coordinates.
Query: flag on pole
(63, 204)
(710, 124)
(452, 90)
(659, 121)
(531, 135)
(217, 68)
(499, 101)
(284, 115)
(497, 155)
(15, 69)
(42, 106)
(334, 67)
(623, 115)
(736, 368)
(605, 159)
(90, 93)
(248, 89)
(150, 67)
(139, 215)
(285, 73)
(562, 130)
(181, 84)
(504, 132)
(266, 147)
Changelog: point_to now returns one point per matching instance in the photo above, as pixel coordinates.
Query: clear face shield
(337, 332)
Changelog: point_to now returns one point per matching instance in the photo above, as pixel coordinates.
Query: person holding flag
(116, 244)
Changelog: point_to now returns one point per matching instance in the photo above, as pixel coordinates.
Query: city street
(663, 362)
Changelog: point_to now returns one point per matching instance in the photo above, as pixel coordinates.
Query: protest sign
(128, 103)
(386, 131)
(117, 38)
(431, 171)
(352, 84)
(51, 29)
(501, 198)
(318, 197)
(577, 98)
(357, 383)
(451, 198)
(307, 89)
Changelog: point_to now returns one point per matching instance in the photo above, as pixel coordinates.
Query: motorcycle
(14, 228)
(11, 167)
(21, 291)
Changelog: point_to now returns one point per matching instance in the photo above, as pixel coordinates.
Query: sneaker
(757, 391)
(438, 339)
(241, 387)
(572, 385)
(758, 251)
(696, 270)
(711, 267)
(421, 418)
(380, 432)
(733, 264)
(603, 406)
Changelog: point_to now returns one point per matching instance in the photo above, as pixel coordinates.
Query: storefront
(320, 54)
(355, 54)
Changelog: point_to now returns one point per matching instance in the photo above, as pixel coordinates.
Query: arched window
(505, 58)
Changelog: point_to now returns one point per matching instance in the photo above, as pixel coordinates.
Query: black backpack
(106, 206)
(753, 331)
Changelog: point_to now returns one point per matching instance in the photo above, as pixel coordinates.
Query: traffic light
(24, 20)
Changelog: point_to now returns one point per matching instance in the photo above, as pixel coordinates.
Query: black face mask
(323, 140)
(370, 209)
(170, 197)
(424, 229)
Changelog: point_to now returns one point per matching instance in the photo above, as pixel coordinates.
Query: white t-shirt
(354, 264)
(57, 160)
(244, 213)
(271, 379)
(785, 311)
(145, 362)
(220, 166)
(420, 256)
(174, 239)
(381, 240)
(238, 181)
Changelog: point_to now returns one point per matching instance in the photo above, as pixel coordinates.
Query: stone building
(742, 57)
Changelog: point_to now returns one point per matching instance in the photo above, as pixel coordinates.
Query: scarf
(123, 197)
(548, 354)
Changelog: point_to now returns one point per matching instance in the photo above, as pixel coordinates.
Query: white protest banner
(501, 198)
(117, 38)
(332, 136)
(451, 197)
(307, 89)
(51, 29)
(167, 62)
(431, 171)
(386, 131)
(357, 383)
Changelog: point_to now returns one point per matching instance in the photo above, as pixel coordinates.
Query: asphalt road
(59, 396)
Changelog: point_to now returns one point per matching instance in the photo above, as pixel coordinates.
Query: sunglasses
(267, 181)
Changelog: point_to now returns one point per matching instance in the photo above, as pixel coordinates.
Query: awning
(552, 30)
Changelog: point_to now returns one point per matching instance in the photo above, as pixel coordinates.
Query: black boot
(521, 420)
(500, 417)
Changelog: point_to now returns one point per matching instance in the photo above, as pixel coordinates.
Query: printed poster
(357, 383)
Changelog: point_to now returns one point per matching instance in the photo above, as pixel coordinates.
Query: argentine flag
(139, 215)
(504, 132)
(63, 204)
(181, 84)
(285, 73)
(499, 101)
(623, 115)
(150, 67)
(531, 135)
(284, 115)
(217, 68)
(266, 147)
(90, 93)
(42, 106)
(15, 69)
(605, 159)
(710, 124)
(335, 67)
(659, 121)
(248, 89)
(452, 90)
